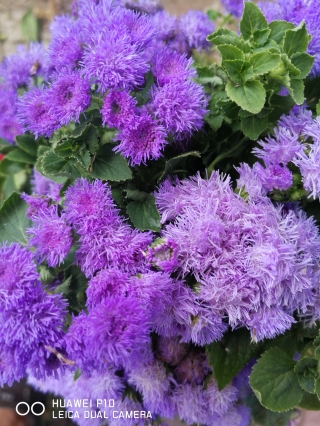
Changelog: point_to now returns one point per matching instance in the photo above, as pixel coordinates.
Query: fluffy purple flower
(106, 283)
(17, 272)
(9, 128)
(235, 7)
(114, 62)
(268, 323)
(249, 182)
(162, 254)
(169, 32)
(169, 66)
(275, 176)
(51, 236)
(246, 254)
(66, 46)
(154, 384)
(87, 202)
(105, 240)
(36, 203)
(193, 368)
(30, 319)
(171, 350)
(197, 26)
(34, 113)
(180, 107)
(116, 329)
(220, 402)
(118, 109)
(137, 26)
(280, 148)
(69, 95)
(43, 186)
(205, 328)
(142, 141)
(309, 165)
(17, 70)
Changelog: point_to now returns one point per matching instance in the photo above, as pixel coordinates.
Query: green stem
(225, 155)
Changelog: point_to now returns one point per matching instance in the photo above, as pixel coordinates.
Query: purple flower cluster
(130, 294)
(296, 140)
(255, 263)
(31, 320)
(296, 11)
(109, 47)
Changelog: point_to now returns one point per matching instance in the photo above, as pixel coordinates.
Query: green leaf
(296, 40)
(92, 139)
(229, 52)
(317, 387)
(27, 144)
(261, 36)
(30, 26)
(303, 62)
(250, 96)
(287, 341)
(264, 62)
(173, 163)
(63, 288)
(309, 402)
(144, 215)
(76, 295)
(214, 122)
(5, 147)
(252, 20)
(228, 356)
(77, 374)
(296, 90)
(238, 71)
(253, 126)
(274, 381)
(279, 29)
(20, 156)
(13, 220)
(207, 75)
(64, 149)
(52, 164)
(306, 369)
(110, 166)
(264, 417)
(226, 36)
(47, 274)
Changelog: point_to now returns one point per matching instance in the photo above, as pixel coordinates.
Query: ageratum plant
(159, 213)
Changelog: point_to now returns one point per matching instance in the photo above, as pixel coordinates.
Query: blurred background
(26, 20)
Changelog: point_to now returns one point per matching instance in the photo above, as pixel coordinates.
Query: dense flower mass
(243, 254)
(131, 269)
(296, 141)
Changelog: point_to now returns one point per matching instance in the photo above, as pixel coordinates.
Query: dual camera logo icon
(26, 410)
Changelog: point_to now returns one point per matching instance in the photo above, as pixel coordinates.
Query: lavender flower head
(69, 95)
(118, 109)
(51, 236)
(105, 241)
(43, 186)
(116, 329)
(143, 140)
(180, 107)
(162, 254)
(169, 66)
(242, 253)
(114, 62)
(197, 26)
(34, 113)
